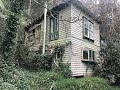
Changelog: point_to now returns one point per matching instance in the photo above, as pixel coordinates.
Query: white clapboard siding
(78, 43)
(74, 32)
(64, 26)
(64, 32)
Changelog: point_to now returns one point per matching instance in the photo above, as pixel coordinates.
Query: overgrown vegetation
(8, 44)
(45, 80)
(47, 77)
(38, 62)
(63, 69)
(110, 63)
(83, 84)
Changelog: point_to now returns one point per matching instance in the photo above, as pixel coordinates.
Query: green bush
(38, 62)
(21, 53)
(63, 69)
(7, 86)
(36, 80)
(93, 83)
(109, 66)
(50, 80)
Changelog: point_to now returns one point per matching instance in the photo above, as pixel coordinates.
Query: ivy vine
(9, 40)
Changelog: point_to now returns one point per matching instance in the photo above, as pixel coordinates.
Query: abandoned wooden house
(73, 23)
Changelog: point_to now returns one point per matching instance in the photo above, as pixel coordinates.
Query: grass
(45, 80)
(91, 83)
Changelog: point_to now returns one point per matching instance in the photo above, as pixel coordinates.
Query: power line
(51, 12)
(75, 19)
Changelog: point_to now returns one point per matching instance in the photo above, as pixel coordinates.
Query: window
(85, 54)
(38, 33)
(88, 55)
(31, 35)
(54, 34)
(58, 55)
(88, 29)
(91, 55)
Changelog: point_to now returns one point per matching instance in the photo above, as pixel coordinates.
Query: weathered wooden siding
(73, 31)
(78, 43)
(35, 44)
(64, 32)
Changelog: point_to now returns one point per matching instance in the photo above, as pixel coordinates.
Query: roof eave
(77, 3)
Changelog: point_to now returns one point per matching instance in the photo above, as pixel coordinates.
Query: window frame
(83, 54)
(38, 34)
(58, 55)
(55, 30)
(91, 30)
(92, 55)
(85, 21)
(88, 22)
(31, 33)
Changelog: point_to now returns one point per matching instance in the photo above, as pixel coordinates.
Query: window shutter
(56, 29)
(54, 33)
(52, 36)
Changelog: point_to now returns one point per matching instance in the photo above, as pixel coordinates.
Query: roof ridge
(62, 6)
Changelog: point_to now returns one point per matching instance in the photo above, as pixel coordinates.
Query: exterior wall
(64, 32)
(69, 31)
(78, 43)
(34, 46)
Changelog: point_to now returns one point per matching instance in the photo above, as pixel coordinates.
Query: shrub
(36, 80)
(38, 62)
(63, 69)
(93, 83)
(21, 53)
(110, 62)
(32, 61)
(7, 86)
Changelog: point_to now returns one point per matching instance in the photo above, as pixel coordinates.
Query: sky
(97, 1)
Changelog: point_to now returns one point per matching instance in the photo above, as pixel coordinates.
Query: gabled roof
(61, 6)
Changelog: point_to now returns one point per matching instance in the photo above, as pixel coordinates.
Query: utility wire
(69, 21)
(51, 12)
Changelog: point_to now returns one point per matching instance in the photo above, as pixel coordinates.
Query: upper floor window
(88, 29)
(34, 35)
(54, 34)
(38, 34)
(31, 35)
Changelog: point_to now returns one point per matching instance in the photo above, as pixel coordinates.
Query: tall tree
(9, 42)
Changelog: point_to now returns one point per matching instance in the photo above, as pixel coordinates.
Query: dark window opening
(31, 35)
(88, 55)
(54, 33)
(85, 54)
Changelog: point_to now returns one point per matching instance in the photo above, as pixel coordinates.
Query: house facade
(74, 23)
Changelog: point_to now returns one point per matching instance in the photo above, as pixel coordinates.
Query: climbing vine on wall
(9, 40)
